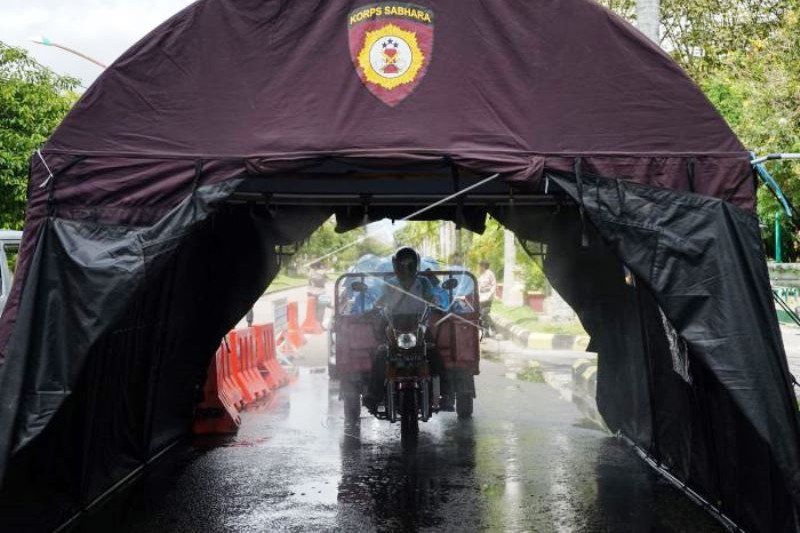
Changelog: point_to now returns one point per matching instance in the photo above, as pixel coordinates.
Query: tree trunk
(648, 15)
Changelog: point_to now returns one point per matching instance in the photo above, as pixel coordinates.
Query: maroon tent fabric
(510, 87)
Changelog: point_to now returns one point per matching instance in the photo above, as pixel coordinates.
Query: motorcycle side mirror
(450, 284)
(358, 286)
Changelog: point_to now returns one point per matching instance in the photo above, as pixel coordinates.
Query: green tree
(705, 35)
(340, 250)
(488, 246)
(708, 35)
(33, 101)
(624, 8)
(758, 92)
(416, 233)
(491, 247)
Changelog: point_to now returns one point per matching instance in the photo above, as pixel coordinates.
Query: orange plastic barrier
(265, 345)
(271, 370)
(229, 386)
(243, 366)
(217, 412)
(293, 337)
(236, 372)
(254, 375)
(311, 325)
(255, 381)
(244, 372)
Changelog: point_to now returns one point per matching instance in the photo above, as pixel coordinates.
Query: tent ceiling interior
(150, 237)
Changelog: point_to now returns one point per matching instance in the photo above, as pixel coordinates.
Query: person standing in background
(487, 287)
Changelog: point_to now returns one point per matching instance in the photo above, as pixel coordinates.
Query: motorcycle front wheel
(409, 423)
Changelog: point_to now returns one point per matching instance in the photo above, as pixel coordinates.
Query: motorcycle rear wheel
(352, 407)
(464, 405)
(352, 402)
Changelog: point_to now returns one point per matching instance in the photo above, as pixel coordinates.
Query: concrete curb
(584, 376)
(584, 371)
(541, 341)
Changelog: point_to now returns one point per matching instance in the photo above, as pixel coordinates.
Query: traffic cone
(293, 335)
(311, 325)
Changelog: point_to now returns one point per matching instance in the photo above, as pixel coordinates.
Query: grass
(524, 316)
(282, 281)
(532, 374)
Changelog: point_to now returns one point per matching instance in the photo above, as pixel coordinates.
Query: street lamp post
(47, 42)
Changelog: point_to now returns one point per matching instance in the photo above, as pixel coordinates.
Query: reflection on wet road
(526, 462)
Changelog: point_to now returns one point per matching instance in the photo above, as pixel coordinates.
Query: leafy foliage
(340, 250)
(756, 86)
(706, 36)
(491, 246)
(418, 234)
(33, 101)
(624, 8)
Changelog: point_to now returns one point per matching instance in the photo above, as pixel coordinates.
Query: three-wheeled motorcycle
(428, 360)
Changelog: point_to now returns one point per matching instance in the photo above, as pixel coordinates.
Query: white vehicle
(9, 247)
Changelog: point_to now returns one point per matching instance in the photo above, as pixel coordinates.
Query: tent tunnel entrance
(658, 387)
(230, 131)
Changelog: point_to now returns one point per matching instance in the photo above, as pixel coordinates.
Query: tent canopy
(509, 87)
(106, 336)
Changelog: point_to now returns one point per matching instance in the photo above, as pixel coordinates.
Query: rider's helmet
(405, 263)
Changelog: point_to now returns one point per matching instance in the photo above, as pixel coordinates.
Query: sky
(102, 29)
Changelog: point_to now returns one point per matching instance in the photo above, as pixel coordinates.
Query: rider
(407, 292)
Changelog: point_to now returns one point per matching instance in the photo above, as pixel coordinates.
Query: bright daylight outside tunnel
(216, 324)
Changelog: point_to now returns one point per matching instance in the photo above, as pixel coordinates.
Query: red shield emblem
(391, 45)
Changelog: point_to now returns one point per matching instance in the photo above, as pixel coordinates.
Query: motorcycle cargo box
(458, 341)
(355, 344)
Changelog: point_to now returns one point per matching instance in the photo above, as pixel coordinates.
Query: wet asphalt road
(528, 461)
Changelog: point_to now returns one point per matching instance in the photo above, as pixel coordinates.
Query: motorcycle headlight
(406, 341)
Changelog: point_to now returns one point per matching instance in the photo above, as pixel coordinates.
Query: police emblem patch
(391, 46)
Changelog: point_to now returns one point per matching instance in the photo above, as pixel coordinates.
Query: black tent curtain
(177, 290)
(691, 367)
(687, 372)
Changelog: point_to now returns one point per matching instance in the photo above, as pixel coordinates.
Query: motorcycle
(400, 349)
(412, 389)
